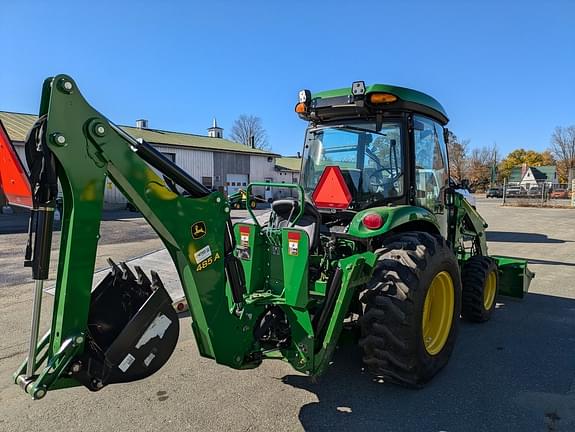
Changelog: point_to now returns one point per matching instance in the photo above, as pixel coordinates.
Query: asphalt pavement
(513, 373)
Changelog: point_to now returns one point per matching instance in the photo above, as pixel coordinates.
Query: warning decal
(244, 235)
(293, 243)
(203, 254)
(126, 363)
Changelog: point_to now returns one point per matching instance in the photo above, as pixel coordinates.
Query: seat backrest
(287, 209)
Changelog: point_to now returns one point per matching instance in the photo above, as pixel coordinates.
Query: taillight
(372, 221)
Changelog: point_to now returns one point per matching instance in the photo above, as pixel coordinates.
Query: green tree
(521, 156)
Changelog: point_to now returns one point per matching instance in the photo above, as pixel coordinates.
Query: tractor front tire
(480, 285)
(411, 309)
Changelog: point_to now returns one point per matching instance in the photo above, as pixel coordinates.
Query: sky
(503, 70)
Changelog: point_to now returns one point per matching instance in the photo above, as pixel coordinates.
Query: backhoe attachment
(125, 329)
(248, 287)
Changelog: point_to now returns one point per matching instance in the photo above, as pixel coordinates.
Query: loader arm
(466, 222)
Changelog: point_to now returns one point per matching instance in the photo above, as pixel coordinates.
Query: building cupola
(215, 131)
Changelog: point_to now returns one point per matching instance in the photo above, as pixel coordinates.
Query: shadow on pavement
(17, 223)
(547, 262)
(520, 237)
(499, 378)
(108, 215)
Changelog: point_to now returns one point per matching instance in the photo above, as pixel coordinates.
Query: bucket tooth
(127, 274)
(114, 267)
(142, 279)
(156, 281)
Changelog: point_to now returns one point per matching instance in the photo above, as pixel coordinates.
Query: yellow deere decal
(198, 230)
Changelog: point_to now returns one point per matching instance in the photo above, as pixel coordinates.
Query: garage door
(235, 182)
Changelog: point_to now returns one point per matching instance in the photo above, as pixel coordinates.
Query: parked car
(559, 193)
(494, 193)
(513, 191)
(534, 191)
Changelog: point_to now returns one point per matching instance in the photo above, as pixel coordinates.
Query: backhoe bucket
(514, 276)
(132, 329)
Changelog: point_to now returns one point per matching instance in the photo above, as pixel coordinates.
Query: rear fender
(394, 219)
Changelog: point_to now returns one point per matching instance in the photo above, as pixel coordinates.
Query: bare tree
(481, 164)
(248, 130)
(457, 151)
(563, 148)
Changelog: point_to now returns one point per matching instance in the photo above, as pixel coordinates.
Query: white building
(214, 161)
(287, 171)
(530, 176)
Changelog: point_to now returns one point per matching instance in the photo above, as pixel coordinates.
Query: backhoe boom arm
(88, 148)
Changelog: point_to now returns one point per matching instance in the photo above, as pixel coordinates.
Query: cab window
(431, 175)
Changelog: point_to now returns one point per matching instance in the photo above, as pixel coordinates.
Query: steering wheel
(378, 183)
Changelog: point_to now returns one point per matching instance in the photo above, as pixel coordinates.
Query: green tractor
(378, 245)
(239, 200)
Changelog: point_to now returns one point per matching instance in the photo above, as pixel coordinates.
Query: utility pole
(493, 179)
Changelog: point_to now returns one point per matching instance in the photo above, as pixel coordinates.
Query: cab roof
(407, 95)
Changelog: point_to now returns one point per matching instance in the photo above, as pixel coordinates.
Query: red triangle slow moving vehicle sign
(13, 179)
(331, 190)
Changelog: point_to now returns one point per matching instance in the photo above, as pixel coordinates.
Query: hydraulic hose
(233, 268)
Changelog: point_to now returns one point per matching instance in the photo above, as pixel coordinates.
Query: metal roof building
(216, 162)
(528, 176)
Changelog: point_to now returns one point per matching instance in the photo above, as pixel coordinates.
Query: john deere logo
(198, 230)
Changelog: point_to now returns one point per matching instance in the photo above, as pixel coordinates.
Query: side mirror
(449, 197)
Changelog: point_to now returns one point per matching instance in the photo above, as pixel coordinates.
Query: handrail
(301, 198)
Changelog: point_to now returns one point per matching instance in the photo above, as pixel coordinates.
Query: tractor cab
(369, 159)
(385, 142)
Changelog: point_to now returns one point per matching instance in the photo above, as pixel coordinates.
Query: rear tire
(480, 280)
(393, 326)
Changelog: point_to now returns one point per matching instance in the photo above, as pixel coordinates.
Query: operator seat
(310, 221)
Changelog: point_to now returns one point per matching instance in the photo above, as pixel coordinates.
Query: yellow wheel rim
(438, 312)
(489, 290)
(253, 204)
